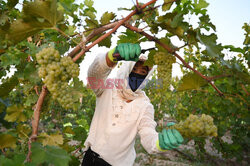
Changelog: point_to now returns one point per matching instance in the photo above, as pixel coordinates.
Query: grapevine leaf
(49, 154)
(12, 57)
(150, 61)
(106, 42)
(8, 85)
(243, 76)
(166, 41)
(89, 13)
(107, 17)
(15, 113)
(74, 161)
(80, 133)
(31, 99)
(31, 73)
(176, 20)
(234, 49)
(46, 10)
(191, 81)
(213, 49)
(52, 139)
(7, 141)
(89, 3)
(12, 3)
(167, 5)
(91, 24)
(23, 131)
(68, 130)
(37, 15)
(201, 4)
(129, 37)
(20, 30)
(78, 85)
(205, 23)
(18, 159)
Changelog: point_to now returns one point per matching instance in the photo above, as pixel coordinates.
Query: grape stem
(170, 50)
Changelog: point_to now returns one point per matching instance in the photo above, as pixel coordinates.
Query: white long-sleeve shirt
(116, 122)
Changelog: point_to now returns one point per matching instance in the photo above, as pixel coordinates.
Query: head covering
(123, 73)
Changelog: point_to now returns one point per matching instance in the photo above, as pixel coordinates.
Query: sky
(227, 15)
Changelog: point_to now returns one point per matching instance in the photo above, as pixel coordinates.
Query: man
(123, 111)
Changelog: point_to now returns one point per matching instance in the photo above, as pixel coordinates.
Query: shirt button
(121, 107)
(113, 124)
(116, 115)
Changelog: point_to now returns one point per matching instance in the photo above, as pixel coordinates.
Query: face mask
(135, 80)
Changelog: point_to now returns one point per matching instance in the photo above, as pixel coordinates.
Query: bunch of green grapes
(196, 126)
(164, 63)
(56, 72)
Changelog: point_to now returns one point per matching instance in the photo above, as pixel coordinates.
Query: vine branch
(112, 31)
(36, 115)
(35, 120)
(170, 50)
(92, 35)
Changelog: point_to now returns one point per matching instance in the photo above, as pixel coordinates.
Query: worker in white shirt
(122, 111)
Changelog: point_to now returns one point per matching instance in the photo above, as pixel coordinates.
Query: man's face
(139, 68)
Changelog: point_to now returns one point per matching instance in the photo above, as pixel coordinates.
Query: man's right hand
(127, 51)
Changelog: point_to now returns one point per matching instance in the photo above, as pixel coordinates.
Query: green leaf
(31, 99)
(37, 15)
(31, 73)
(7, 141)
(129, 37)
(8, 85)
(191, 81)
(91, 24)
(106, 42)
(74, 161)
(18, 159)
(44, 9)
(12, 3)
(234, 49)
(177, 20)
(52, 139)
(90, 14)
(107, 17)
(89, 3)
(78, 85)
(213, 49)
(49, 154)
(167, 5)
(15, 113)
(80, 133)
(150, 61)
(12, 57)
(23, 131)
(166, 41)
(201, 4)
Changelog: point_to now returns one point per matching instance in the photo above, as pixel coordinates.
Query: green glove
(169, 139)
(127, 51)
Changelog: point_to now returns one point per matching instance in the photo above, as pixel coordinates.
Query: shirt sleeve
(98, 73)
(147, 132)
